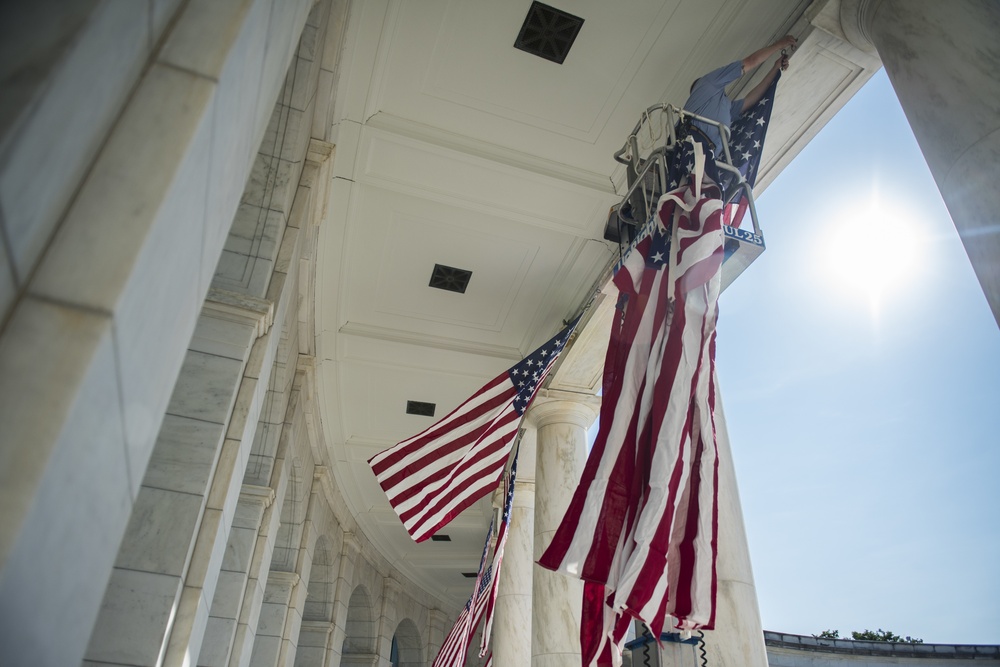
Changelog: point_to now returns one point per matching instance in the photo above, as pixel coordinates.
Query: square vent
(548, 32)
(420, 408)
(449, 278)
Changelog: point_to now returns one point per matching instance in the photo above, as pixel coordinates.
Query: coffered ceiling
(455, 148)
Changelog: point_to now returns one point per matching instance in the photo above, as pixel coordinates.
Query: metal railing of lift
(639, 167)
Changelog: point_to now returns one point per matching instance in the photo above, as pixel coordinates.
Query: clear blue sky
(860, 368)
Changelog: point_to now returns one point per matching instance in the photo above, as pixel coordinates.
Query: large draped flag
(483, 600)
(433, 476)
(641, 529)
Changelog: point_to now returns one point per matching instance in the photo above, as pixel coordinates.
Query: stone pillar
(511, 632)
(942, 59)
(738, 638)
(388, 619)
(278, 596)
(437, 630)
(231, 590)
(561, 419)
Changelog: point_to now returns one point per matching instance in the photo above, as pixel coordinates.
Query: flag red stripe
(413, 451)
(405, 497)
(481, 460)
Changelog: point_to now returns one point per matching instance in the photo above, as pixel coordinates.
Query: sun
(874, 250)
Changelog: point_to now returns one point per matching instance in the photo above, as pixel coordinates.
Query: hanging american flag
(641, 527)
(456, 644)
(491, 599)
(431, 477)
(746, 143)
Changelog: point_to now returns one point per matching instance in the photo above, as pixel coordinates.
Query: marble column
(942, 59)
(738, 638)
(561, 419)
(511, 629)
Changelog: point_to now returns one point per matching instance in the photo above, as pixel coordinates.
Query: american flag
(431, 477)
(641, 528)
(491, 600)
(456, 644)
(746, 143)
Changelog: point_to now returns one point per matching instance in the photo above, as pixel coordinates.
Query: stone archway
(407, 647)
(359, 635)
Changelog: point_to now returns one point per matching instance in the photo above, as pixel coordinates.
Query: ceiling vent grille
(449, 278)
(440, 538)
(420, 408)
(470, 575)
(548, 32)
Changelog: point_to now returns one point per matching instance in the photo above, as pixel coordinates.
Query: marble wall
(167, 495)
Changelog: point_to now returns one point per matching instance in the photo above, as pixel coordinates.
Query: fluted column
(942, 59)
(511, 624)
(561, 420)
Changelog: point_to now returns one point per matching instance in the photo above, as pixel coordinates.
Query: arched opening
(407, 648)
(319, 599)
(317, 614)
(359, 635)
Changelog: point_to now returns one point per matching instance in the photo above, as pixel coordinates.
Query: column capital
(856, 22)
(552, 406)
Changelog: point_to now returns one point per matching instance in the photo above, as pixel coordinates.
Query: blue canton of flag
(746, 138)
(659, 249)
(532, 370)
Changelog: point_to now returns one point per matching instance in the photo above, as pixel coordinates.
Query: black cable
(701, 649)
(650, 646)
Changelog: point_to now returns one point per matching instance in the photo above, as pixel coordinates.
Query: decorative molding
(254, 493)
(282, 578)
(319, 151)
(318, 626)
(490, 152)
(856, 21)
(423, 340)
(242, 308)
(563, 407)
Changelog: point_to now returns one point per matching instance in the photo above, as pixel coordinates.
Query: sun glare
(874, 250)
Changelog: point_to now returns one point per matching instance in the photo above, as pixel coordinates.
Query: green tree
(881, 635)
(828, 634)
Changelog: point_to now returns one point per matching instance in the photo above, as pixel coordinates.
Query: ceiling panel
(395, 241)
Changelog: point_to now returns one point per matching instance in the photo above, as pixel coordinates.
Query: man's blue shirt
(708, 99)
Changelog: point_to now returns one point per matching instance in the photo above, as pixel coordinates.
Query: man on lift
(708, 96)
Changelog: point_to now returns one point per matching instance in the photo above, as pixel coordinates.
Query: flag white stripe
(431, 490)
(487, 468)
(463, 430)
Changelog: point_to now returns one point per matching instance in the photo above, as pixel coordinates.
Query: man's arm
(758, 91)
(758, 57)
